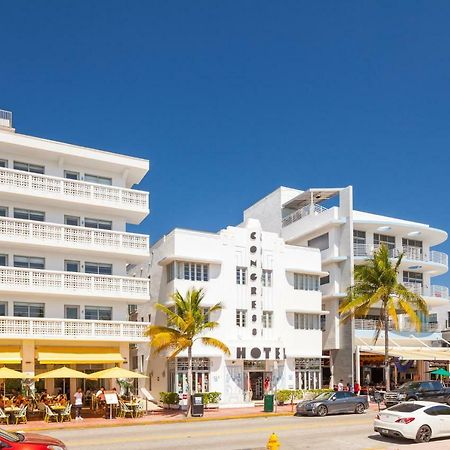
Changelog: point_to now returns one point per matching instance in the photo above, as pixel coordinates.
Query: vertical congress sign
(255, 281)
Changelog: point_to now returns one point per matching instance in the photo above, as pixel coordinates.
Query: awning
(77, 355)
(411, 353)
(10, 355)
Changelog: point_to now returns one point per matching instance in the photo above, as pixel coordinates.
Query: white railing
(439, 291)
(433, 291)
(371, 324)
(14, 279)
(307, 210)
(71, 236)
(5, 118)
(41, 328)
(74, 190)
(414, 253)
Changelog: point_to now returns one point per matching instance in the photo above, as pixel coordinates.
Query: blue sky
(230, 99)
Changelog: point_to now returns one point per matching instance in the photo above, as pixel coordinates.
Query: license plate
(385, 431)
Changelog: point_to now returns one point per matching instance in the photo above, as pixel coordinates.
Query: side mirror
(333, 398)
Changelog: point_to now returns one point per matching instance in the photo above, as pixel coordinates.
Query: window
(306, 321)
(412, 277)
(98, 268)
(97, 179)
(72, 266)
(241, 318)
(22, 309)
(441, 410)
(3, 211)
(3, 309)
(26, 167)
(3, 260)
(29, 262)
(29, 214)
(411, 243)
(406, 407)
(321, 242)
(267, 319)
(71, 312)
(193, 271)
(98, 313)
(71, 175)
(72, 220)
(3, 163)
(324, 280)
(170, 271)
(306, 282)
(359, 237)
(241, 275)
(380, 239)
(98, 223)
(266, 278)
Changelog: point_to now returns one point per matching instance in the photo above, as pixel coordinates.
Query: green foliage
(286, 395)
(169, 398)
(211, 397)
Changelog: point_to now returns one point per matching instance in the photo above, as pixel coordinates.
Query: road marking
(199, 434)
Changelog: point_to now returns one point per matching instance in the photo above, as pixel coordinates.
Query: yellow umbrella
(7, 374)
(116, 372)
(62, 372)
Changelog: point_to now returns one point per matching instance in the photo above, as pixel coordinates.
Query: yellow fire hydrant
(273, 443)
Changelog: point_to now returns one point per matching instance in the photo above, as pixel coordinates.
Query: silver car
(333, 403)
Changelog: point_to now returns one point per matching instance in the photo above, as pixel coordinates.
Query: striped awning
(78, 355)
(411, 353)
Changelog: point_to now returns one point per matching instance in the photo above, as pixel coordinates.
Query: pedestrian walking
(78, 396)
(341, 385)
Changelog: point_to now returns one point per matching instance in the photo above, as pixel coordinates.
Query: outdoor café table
(133, 406)
(12, 411)
(59, 409)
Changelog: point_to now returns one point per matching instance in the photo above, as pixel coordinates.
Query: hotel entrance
(257, 379)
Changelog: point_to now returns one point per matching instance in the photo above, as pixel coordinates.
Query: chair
(140, 408)
(65, 415)
(4, 417)
(50, 415)
(21, 416)
(124, 410)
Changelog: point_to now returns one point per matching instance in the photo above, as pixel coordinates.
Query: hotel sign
(260, 353)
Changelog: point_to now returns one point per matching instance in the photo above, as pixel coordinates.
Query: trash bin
(198, 407)
(268, 402)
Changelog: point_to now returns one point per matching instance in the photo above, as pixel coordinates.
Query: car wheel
(322, 411)
(423, 434)
(359, 408)
(411, 399)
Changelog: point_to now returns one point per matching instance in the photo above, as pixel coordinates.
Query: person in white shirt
(341, 385)
(78, 396)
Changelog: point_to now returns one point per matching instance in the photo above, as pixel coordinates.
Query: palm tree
(376, 286)
(186, 323)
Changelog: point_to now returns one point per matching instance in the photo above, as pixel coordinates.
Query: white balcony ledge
(370, 324)
(38, 282)
(130, 203)
(30, 232)
(70, 329)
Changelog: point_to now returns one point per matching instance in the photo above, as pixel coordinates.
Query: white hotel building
(271, 319)
(65, 297)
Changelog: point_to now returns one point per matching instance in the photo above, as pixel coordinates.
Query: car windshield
(11, 437)
(410, 385)
(324, 396)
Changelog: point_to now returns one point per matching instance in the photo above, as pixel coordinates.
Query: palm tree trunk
(190, 384)
(387, 374)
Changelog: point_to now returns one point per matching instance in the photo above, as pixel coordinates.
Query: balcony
(433, 291)
(69, 329)
(370, 324)
(131, 203)
(307, 210)
(36, 281)
(5, 119)
(29, 232)
(410, 253)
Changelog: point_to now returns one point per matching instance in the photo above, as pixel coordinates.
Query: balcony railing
(5, 118)
(71, 236)
(70, 329)
(370, 324)
(72, 190)
(307, 210)
(414, 253)
(433, 291)
(13, 279)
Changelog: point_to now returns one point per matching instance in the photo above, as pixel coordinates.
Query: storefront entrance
(257, 385)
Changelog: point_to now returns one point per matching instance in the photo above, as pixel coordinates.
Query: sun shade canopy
(63, 372)
(75, 355)
(7, 374)
(116, 372)
(10, 355)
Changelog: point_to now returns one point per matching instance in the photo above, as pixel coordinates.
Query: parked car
(29, 441)
(333, 403)
(431, 391)
(416, 420)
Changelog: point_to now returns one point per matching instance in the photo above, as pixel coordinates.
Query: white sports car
(420, 421)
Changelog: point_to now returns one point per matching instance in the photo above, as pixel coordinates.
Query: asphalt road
(329, 433)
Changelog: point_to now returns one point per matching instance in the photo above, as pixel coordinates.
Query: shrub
(169, 398)
(211, 397)
(285, 395)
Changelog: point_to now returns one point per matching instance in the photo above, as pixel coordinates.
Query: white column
(28, 357)
(357, 365)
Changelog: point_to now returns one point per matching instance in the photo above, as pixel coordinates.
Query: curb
(161, 422)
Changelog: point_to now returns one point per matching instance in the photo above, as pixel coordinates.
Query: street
(332, 432)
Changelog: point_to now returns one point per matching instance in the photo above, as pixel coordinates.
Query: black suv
(430, 391)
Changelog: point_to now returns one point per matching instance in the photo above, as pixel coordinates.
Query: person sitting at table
(43, 396)
(101, 397)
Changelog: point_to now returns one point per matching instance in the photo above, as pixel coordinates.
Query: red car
(29, 441)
